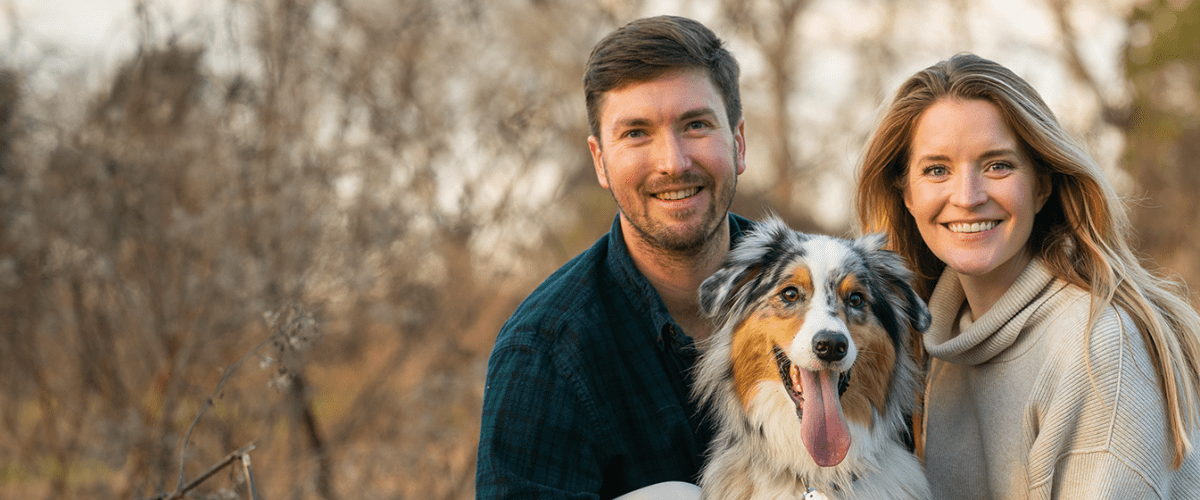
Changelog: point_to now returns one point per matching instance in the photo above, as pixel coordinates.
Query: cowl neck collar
(994, 332)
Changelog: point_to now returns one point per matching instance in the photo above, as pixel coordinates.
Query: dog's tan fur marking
(849, 284)
(768, 327)
(753, 360)
(872, 373)
(802, 278)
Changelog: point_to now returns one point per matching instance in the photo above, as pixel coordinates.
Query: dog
(810, 374)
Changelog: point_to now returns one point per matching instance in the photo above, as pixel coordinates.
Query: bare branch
(208, 402)
(249, 477)
(241, 452)
(1113, 114)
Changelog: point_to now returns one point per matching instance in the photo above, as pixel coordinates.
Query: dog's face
(819, 319)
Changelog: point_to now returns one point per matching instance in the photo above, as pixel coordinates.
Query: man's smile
(677, 195)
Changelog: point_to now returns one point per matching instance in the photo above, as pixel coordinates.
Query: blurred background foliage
(371, 187)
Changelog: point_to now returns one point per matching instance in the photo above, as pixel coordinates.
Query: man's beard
(683, 242)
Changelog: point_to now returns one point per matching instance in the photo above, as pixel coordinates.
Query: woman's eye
(1001, 166)
(936, 171)
(790, 294)
(855, 299)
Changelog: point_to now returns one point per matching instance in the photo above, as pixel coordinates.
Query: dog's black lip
(785, 375)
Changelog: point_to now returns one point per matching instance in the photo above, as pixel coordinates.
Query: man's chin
(680, 237)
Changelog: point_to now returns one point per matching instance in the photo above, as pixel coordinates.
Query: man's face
(670, 158)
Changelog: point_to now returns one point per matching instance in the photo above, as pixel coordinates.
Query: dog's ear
(871, 243)
(719, 292)
(727, 292)
(890, 266)
(915, 308)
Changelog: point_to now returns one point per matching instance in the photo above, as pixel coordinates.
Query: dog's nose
(830, 346)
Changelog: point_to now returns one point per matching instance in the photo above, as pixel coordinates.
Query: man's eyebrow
(687, 115)
(631, 123)
(697, 113)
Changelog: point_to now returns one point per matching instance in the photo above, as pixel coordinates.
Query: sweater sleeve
(1096, 476)
(1098, 417)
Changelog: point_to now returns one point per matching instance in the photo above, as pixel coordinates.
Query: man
(588, 384)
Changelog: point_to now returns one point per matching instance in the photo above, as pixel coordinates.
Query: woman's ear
(1045, 186)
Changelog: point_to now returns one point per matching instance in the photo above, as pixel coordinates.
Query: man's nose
(672, 157)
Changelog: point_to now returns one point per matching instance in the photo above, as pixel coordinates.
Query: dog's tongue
(823, 426)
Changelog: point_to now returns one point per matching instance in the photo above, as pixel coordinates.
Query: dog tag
(812, 494)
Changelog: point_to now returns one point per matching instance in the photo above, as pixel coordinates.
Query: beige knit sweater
(1011, 411)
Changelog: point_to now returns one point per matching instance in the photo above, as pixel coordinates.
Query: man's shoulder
(573, 295)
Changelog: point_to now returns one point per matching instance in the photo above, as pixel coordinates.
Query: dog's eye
(790, 294)
(855, 299)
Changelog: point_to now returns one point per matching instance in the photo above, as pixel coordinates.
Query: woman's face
(972, 191)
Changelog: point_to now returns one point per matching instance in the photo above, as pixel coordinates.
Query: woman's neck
(983, 291)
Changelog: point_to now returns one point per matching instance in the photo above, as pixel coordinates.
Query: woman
(1061, 368)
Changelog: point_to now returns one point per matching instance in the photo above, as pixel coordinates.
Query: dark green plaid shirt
(588, 386)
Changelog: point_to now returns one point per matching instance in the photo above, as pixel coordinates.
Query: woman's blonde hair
(1082, 233)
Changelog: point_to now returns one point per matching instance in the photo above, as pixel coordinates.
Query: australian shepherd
(810, 374)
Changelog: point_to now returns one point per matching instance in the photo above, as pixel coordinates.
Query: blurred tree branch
(1115, 114)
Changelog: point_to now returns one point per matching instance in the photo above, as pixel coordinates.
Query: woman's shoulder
(1069, 314)
(1104, 352)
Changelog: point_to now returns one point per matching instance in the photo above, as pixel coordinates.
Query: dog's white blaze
(823, 256)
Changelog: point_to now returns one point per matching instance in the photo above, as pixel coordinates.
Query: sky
(81, 26)
(82, 30)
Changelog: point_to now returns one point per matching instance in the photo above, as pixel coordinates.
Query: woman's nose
(969, 190)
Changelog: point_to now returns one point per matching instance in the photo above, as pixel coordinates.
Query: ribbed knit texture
(1012, 410)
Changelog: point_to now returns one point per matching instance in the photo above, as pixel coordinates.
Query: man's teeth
(677, 195)
(972, 227)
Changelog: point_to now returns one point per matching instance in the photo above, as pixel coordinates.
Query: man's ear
(739, 141)
(598, 161)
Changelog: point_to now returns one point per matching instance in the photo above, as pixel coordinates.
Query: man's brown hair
(646, 48)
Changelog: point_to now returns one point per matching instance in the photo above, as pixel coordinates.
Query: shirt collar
(641, 293)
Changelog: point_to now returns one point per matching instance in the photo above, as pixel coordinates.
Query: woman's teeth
(972, 227)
